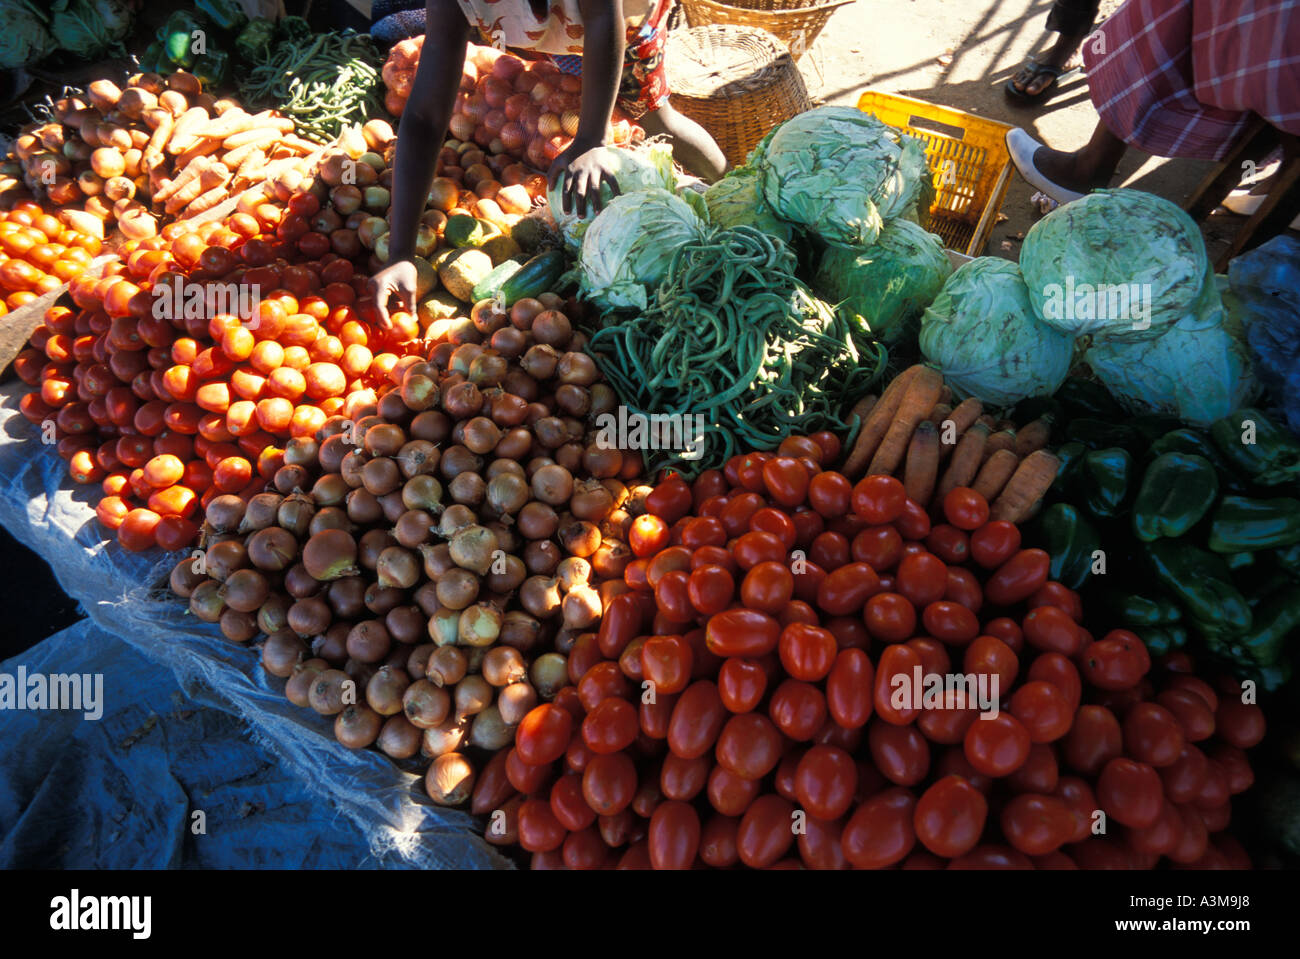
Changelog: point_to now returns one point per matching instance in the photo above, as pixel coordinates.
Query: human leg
(1071, 20)
(692, 145)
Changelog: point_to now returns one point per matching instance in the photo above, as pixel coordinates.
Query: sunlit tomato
(846, 590)
(830, 494)
(137, 530)
(666, 662)
(767, 587)
(648, 535)
(741, 684)
(997, 745)
(1093, 740)
(672, 597)
(610, 726)
(880, 832)
(609, 783)
(738, 511)
(894, 698)
(807, 652)
(879, 499)
(543, 734)
(703, 531)
(899, 752)
(697, 720)
(742, 632)
(786, 480)
(798, 709)
(710, 589)
(749, 746)
(1043, 710)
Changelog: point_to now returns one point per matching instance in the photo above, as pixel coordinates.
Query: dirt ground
(960, 54)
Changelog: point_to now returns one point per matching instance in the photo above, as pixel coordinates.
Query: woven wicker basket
(795, 23)
(736, 82)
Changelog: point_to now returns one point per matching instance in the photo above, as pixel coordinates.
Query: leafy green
(982, 334)
(628, 246)
(89, 29)
(23, 36)
(737, 200)
(841, 174)
(1118, 265)
(890, 283)
(634, 169)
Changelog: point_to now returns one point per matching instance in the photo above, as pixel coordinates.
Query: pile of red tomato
(167, 412)
(38, 254)
(736, 707)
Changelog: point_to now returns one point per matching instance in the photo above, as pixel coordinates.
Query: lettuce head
(24, 38)
(737, 200)
(634, 169)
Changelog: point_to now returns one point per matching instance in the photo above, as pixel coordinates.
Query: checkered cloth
(1180, 78)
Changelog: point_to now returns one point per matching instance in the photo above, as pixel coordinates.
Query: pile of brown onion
(421, 574)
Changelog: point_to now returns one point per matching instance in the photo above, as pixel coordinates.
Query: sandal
(1057, 74)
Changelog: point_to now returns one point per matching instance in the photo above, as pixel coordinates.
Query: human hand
(396, 279)
(586, 168)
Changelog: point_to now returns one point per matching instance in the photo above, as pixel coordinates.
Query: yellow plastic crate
(968, 158)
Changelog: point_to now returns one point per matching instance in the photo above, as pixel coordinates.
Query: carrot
(233, 158)
(228, 124)
(945, 394)
(204, 147)
(940, 413)
(1027, 485)
(922, 393)
(249, 163)
(995, 472)
(206, 201)
(187, 174)
(965, 462)
(922, 467)
(214, 175)
(1034, 436)
(1001, 440)
(988, 420)
(876, 423)
(298, 144)
(962, 418)
(269, 131)
(187, 129)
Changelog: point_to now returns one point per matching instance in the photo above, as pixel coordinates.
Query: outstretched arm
(419, 140)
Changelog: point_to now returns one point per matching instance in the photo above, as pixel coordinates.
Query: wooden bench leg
(1258, 138)
(1276, 211)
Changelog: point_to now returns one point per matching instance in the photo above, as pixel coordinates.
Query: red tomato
(647, 535)
(697, 719)
(1043, 710)
(844, 591)
(949, 543)
(1195, 717)
(922, 578)
(673, 598)
(829, 550)
(1050, 628)
(769, 520)
(1117, 662)
(666, 661)
(914, 522)
(610, 727)
(807, 652)
(1093, 740)
(949, 817)
(895, 676)
(950, 622)
(819, 844)
(849, 688)
(756, 547)
(730, 794)
(994, 543)
(1153, 735)
(765, 831)
(674, 835)
(767, 587)
(1018, 578)
(948, 722)
(568, 805)
(825, 781)
(741, 684)
(1130, 792)
(539, 830)
(997, 745)
(965, 508)
(1039, 774)
(880, 547)
(670, 500)
(704, 531)
(879, 499)
(830, 494)
(543, 734)
(991, 656)
(1037, 825)
(798, 709)
(1058, 595)
(880, 831)
(1241, 724)
(786, 480)
(680, 778)
(749, 747)
(899, 752)
(609, 783)
(742, 632)
(718, 841)
(1079, 799)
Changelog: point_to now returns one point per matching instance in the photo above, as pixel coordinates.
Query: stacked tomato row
(38, 254)
(168, 405)
(738, 705)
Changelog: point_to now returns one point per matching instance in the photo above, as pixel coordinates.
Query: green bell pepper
(1106, 477)
(293, 29)
(254, 41)
(1101, 434)
(1070, 455)
(1152, 426)
(1160, 640)
(1177, 491)
(1288, 560)
(1150, 608)
(1276, 618)
(226, 15)
(1241, 524)
(1200, 581)
(1069, 540)
(213, 68)
(1236, 561)
(1088, 398)
(154, 59)
(1274, 456)
(177, 36)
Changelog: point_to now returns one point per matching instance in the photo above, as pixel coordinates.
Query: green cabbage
(89, 29)
(890, 283)
(1083, 260)
(737, 200)
(628, 246)
(23, 37)
(982, 334)
(841, 174)
(635, 170)
(1199, 370)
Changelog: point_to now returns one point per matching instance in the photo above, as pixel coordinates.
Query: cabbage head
(627, 248)
(841, 174)
(634, 169)
(23, 36)
(1119, 265)
(890, 283)
(1199, 370)
(89, 29)
(982, 334)
(737, 200)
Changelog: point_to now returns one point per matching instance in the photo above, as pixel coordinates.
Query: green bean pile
(733, 334)
(324, 83)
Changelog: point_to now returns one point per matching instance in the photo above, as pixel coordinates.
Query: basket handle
(936, 126)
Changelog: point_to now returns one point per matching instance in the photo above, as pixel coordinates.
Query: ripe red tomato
(991, 656)
(849, 688)
(647, 535)
(765, 831)
(1043, 710)
(899, 752)
(670, 500)
(718, 841)
(880, 547)
(767, 587)
(1018, 578)
(568, 805)
(830, 494)
(1117, 662)
(1241, 724)
(730, 794)
(807, 652)
(950, 622)
(710, 589)
(1037, 825)
(997, 745)
(674, 835)
(965, 508)
(666, 661)
(922, 578)
(543, 734)
(1195, 717)
(825, 781)
(829, 550)
(1039, 774)
(749, 747)
(1153, 735)
(819, 844)
(949, 817)
(697, 720)
(1050, 628)
(741, 684)
(895, 676)
(539, 830)
(914, 522)
(950, 544)
(1093, 740)
(703, 531)
(879, 499)
(742, 632)
(609, 783)
(1130, 792)
(889, 617)
(756, 547)
(880, 831)
(994, 543)
(780, 525)
(786, 480)
(798, 709)
(610, 727)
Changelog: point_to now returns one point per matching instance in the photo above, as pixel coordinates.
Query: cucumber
(534, 278)
(490, 285)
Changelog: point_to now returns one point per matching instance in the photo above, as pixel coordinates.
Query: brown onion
(433, 426)
(524, 312)
(450, 779)
(472, 547)
(479, 625)
(328, 691)
(206, 602)
(515, 701)
(272, 549)
(184, 577)
(578, 369)
(591, 501)
(273, 615)
(405, 624)
(540, 361)
(357, 726)
(574, 400)
(330, 554)
(333, 450)
(504, 665)
(418, 661)
(509, 342)
(301, 680)
(399, 738)
(363, 507)
(245, 590)
(443, 626)
(542, 556)
(397, 567)
(260, 512)
(508, 577)
(346, 596)
(295, 514)
(332, 645)
(372, 543)
(456, 460)
(369, 641)
(447, 666)
(330, 490)
(549, 674)
(514, 443)
(351, 467)
(553, 484)
(393, 409)
(384, 440)
(385, 690)
(573, 572)
(611, 559)
(309, 617)
(490, 731)
(425, 705)
(551, 327)
(290, 477)
(437, 560)
(507, 493)
(381, 600)
(603, 399)
(412, 529)
(417, 457)
(222, 559)
(537, 520)
(580, 538)
(581, 607)
(301, 451)
(472, 695)
(457, 588)
(225, 513)
(540, 596)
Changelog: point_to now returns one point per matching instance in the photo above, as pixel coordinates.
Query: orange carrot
(876, 423)
(1001, 440)
(187, 129)
(965, 461)
(921, 396)
(921, 470)
(215, 175)
(187, 174)
(204, 147)
(1034, 436)
(995, 472)
(206, 201)
(1027, 485)
(940, 413)
(963, 417)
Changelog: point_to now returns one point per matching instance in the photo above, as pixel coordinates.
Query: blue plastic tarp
(190, 722)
